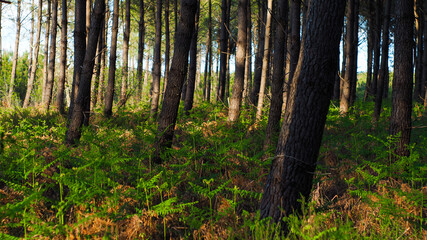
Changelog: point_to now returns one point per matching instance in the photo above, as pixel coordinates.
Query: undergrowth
(210, 183)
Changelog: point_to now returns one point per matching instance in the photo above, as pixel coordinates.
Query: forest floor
(210, 183)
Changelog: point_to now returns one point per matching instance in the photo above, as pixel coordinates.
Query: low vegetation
(211, 183)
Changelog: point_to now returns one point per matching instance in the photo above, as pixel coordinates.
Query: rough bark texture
(295, 11)
(52, 57)
(79, 47)
(83, 96)
(191, 83)
(265, 60)
(63, 59)
(384, 59)
(248, 62)
(419, 24)
(349, 71)
(259, 55)
(141, 43)
(15, 53)
(291, 173)
(177, 74)
(400, 121)
(126, 36)
(167, 45)
(109, 92)
(155, 87)
(30, 84)
(236, 97)
(275, 113)
(223, 48)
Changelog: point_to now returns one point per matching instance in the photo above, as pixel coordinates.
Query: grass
(210, 184)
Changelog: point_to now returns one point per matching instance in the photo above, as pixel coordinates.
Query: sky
(9, 33)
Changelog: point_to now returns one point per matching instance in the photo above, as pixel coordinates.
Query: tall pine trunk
(77, 116)
(259, 55)
(223, 49)
(125, 70)
(109, 92)
(279, 63)
(63, 59)
(52, 56)
(291, 173)
(155, 85)
(177, 74)
(141, 43)
(30, 84)
(401, 108)
(377, 47)
(239, 77)
(15, 54)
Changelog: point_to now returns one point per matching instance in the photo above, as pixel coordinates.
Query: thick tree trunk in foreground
(384, 59)
(236, 97)
(109, 92)
(63, 60)
(177, 74)
(275, 113)
(265, 60)
(30, 84)
(15, 54)
(191, 84)
(52, 57)
(155, 87)
(83, 97)
(291, 173)
(401, 108)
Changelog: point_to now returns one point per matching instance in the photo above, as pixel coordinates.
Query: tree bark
(109, 92)
(167, 46)
(349, 71)
(191, 83)
(52, 56)
(248, 62)
(423, 91)
(87, 21)
(264, 61)
(15, 53)
(30, 84)
(384, 59)
(401, 108)
(83, 97)
(141, 43)
(259, 55)
(104, 35)
(223, 47)
(377, 47)
(291, 173)
(63, 60)
(295, 13)
(236, 97)
(79, 48)
(156, 62)
(279, 63)
(125, 70)
(355, 44)
(177, 74)
(208, 59)
(30, 55)
(419, 24)
(371, 15)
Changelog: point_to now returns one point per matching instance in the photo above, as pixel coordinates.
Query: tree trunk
(141, 43)
(208, 65)
(97, 71)
(419, 24)
(156, 62)
(401, 108)
(167, 46)
(83, 97)
(191, 84)
(264, 61)
(236, 97)
(353, 82)
(125, 71)
(87, 21)
(279, 63)
(177, 74)
(30, 55)
(291, 173)
(15, 54)
(63, 59)
(370, 23)
(349, 71)
(223, 47)
(52, 56)
(424, 72)
(104, 35)
(1, 52)
(248, 62)
(384, 60)
(109, 92)
(259, 55)
(295, 37)
(377, 47)
(79, 48)
(30, 84)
